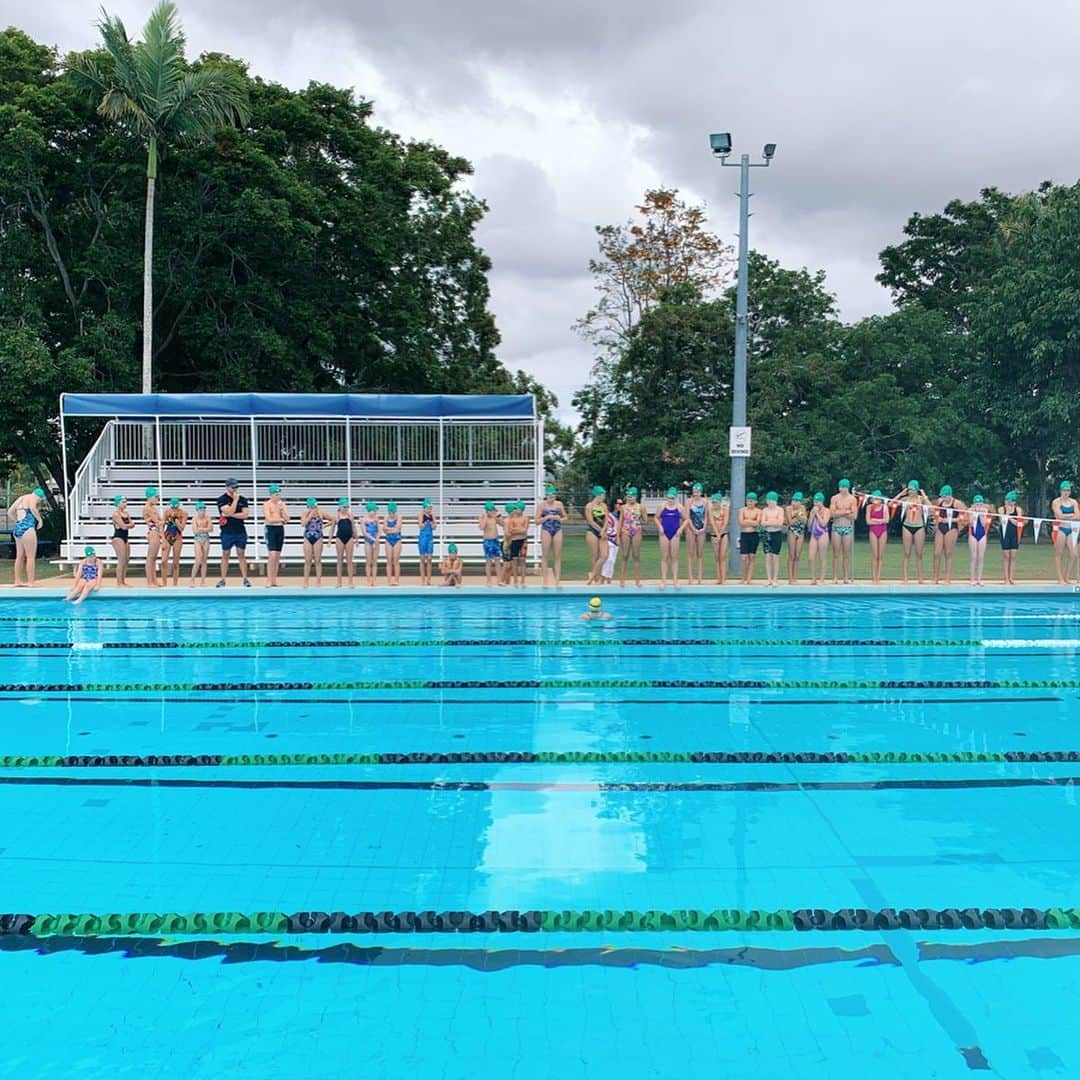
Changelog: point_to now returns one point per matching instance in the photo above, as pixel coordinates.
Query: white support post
(348, 459)
(157, 445)
(539, 455)
(442, 489)
(254, 487)
(63, 457)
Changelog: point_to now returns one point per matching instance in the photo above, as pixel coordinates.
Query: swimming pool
(728, 679)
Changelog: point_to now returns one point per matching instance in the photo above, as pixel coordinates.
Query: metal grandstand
(457, 450)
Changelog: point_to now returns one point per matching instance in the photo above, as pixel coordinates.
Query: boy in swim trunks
(451, 567)
(517, 533)
(275, 518)
(844, 508)
(488, 524)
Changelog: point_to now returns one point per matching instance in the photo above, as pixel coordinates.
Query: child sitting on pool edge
(450, 567)
(595, 612)
(87, 577)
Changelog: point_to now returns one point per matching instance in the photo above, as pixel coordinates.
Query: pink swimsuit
(879, 517)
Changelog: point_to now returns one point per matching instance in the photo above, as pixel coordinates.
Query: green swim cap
(672, 492)
(371, 505)
(1065, 485)
(88, 551)
(876, 494)
(174, 502)
(200, 505)
(521, 504)
(632, 492)
(819, 496)
(391, 507)
(771, 496)
(914, 485)
(717, 496)
(426, 504)
(551, 489)
(844, 484)
(510, 507)
(452, 549)
(1010, 496)
(312, 501)
(978, 499)
(751, 495)
(698, 487)
(275, 489)
(598, 491)
(798, 497)
(489, 505)
(117, 500)
(946, 490)
(343, 501)
(150, 492)
(39, 492)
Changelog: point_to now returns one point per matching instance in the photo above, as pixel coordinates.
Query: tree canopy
(311, 250)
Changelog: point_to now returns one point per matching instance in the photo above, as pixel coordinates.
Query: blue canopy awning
(367, 406)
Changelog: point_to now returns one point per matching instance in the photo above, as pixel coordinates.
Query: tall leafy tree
(148, 89)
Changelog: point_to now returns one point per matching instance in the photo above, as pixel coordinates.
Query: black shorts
(748, 542)
(514, 550)
(275, 537)
(773, 542)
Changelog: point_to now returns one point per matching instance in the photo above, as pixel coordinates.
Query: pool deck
(52, 588)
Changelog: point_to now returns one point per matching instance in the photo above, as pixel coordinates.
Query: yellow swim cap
(595, 602)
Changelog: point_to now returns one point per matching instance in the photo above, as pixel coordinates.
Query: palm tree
(148, 89)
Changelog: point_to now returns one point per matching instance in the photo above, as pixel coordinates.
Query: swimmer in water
(87, 577)
(595, 610)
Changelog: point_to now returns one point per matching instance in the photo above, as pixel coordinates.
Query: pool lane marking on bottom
(928, 784)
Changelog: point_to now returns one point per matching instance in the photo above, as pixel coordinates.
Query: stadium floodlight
(721, 143)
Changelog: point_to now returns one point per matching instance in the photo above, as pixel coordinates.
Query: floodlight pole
(738, 390)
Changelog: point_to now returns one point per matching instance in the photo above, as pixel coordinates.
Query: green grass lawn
(1035, 562)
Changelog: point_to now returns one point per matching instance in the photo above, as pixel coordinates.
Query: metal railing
(88, 479)
(294, 442)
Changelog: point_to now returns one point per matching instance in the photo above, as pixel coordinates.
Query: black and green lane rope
(547, 684)
(540, 757)
(554, 921)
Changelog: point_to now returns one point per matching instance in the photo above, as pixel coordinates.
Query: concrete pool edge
(234, 589)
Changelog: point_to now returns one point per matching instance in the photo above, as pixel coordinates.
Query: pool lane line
(583, 643)
(600, 786)
(553, 684)
(539, 757)
(549, 920)
(473, 702)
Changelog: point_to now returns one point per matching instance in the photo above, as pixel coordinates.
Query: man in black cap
(232, 510)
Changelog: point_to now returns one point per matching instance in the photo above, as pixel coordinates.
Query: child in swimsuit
(914, 507)
(877, 521)
(314, 523)
(796, 525)
(451, 567)
(372, 531)
(978, 531)
(425, 541)
(550, 516)
(819, 538)
(1065, 531)
(697, 512)
(488, 523)
(201, 527)
(719, 514)
(669, 526)
(632, 517)
(345, 542)
(175, 523)
(87, 577)
(596, 515)
(392, 536)
(1012, 525)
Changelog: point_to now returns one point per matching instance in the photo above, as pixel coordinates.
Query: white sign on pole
(739, 444)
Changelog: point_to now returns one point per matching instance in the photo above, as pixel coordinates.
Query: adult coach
(232, 510)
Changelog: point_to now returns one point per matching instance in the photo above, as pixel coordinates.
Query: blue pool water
(248, 675)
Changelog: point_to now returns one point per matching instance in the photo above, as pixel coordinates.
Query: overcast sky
(570, 109)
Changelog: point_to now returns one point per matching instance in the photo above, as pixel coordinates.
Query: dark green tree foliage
(310, 251)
